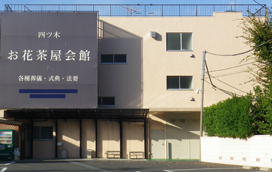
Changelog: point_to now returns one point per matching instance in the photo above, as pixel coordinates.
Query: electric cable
(224, 91)
(231, 67)
(235, 72)
(239, 53)
(261, 8)
(228, 84)
(219, 80)
(209, 74)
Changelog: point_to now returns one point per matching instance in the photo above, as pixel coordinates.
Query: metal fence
(143, 10)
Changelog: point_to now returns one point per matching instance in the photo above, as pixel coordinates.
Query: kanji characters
(27, 55)
(41, 56)
(49, 34)
(70, 55)
(84, 55)
(56, 55)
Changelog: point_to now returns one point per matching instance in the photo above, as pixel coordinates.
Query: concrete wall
(88, 137)
(255, 151)
(44, 149)
(133, 138)
(179, 138)
(122, 81)
(217, 34)
(68, 134)
(108, 137)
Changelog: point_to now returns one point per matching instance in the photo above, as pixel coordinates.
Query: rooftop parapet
(142, 10)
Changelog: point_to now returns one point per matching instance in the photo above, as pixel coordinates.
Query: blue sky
(3, 2)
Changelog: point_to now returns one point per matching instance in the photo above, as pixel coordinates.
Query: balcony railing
(142, 10)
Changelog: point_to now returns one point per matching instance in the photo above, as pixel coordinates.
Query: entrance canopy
(123, 114)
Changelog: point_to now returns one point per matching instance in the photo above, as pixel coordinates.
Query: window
(106, 101)
(113, 58)
(41, 133)
(179, 82)
(179, 41)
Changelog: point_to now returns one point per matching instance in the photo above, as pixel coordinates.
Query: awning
(122, 114)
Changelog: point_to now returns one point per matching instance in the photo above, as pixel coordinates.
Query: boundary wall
(255, 151)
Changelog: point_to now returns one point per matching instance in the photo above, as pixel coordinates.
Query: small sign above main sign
(49, 60)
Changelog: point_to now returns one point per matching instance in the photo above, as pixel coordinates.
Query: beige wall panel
(122, 81)
(88, 137)
(108, 137)
(68, 134)
(194, 142)
(133, 138)
(216, 34)
(158, 120)
(182, 135)
(44, 149)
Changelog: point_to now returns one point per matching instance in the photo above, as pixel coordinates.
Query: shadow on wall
(121, 80)
(69, 136)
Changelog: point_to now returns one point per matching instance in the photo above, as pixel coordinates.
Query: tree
(248, 115)
(258, 34)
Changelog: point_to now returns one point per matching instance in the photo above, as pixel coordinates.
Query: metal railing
(142, 10)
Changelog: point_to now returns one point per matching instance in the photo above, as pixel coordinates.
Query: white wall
(255, 151)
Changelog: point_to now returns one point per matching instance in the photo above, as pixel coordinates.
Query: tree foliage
(230, 118)
(242, 117)
(257, 31)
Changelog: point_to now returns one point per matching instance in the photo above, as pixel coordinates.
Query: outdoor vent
(153, 34)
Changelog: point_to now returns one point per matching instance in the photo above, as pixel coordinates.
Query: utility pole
(202, 102)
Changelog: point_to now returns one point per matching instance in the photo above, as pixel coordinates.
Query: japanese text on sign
(55, 55)
(55, 34)
(51, 78)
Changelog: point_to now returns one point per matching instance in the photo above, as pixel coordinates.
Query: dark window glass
(186, 81)
(173, 41)
(172, 82)
(121, 58)
(107, 58)
(106, 101)
(99, 100)
(187, 41)
(46, 132)
(36, 133)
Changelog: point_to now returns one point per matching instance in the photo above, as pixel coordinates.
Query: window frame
(112, 59)
(101, 105)
(181, 43)
(179, 88)
(39, 134)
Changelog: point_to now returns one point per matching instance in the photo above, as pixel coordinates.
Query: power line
(209, 74)
(219, 80)
(239, 53)
(231, 67)
(228, 84)
(261, 8)
(224, 91)
(236, 72)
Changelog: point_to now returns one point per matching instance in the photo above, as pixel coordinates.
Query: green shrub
(230, 118)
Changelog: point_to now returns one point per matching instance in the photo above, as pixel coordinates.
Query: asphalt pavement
(106, 165)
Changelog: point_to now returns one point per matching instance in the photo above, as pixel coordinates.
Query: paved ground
(115, 165)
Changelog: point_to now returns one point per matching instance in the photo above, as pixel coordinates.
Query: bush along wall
(241, 117)
(230, 118)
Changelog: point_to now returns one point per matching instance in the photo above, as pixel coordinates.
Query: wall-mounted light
(192, 99)
(192, 56)
(153, 34)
